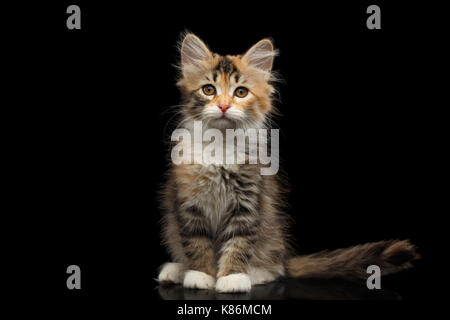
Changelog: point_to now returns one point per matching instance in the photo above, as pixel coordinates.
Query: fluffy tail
(390, 255)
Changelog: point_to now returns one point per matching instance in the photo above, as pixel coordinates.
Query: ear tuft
(261, 55)
(193, 50)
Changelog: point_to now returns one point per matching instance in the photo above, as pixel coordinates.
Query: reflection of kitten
(224, 225)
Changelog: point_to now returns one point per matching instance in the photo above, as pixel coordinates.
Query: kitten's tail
(390, 255)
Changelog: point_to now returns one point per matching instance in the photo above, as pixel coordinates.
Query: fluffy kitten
(224, 224)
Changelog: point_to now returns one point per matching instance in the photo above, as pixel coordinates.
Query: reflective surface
(301, 289)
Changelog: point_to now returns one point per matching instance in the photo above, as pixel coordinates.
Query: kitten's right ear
(193, 51)
(261, 55)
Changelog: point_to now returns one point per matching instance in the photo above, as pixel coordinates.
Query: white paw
(260, 276)
(171, 272)
(236, 282)
(198, 280)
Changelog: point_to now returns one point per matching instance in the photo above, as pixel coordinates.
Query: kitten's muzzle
(224, 107)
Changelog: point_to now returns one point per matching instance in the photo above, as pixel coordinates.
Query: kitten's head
(226, 91)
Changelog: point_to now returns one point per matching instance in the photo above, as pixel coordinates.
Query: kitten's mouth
(223, 116)
(223, 122)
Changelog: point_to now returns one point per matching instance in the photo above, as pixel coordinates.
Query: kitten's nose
(224, 107)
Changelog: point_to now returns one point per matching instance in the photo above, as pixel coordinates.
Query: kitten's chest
(216, 189)
(212, 188)
(214, 185)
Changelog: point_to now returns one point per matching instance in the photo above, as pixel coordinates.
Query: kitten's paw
(198, 280)
(171, 272)
(261, 275)
(236, 282)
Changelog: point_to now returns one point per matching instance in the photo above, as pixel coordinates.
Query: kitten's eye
(241, 92)
(209, 90)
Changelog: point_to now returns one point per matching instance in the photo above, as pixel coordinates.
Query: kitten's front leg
(237, 238)
(196, 239)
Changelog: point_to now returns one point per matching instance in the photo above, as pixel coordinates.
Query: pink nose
(224, 107)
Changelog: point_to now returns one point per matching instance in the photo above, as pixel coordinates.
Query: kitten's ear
(193, 51)
(261, 55)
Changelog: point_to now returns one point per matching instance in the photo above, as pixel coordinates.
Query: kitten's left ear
(261, 55)
(193, 51)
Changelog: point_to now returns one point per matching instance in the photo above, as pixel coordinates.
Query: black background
(353, 132)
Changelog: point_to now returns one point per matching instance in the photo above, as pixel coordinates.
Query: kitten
(224, 224)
